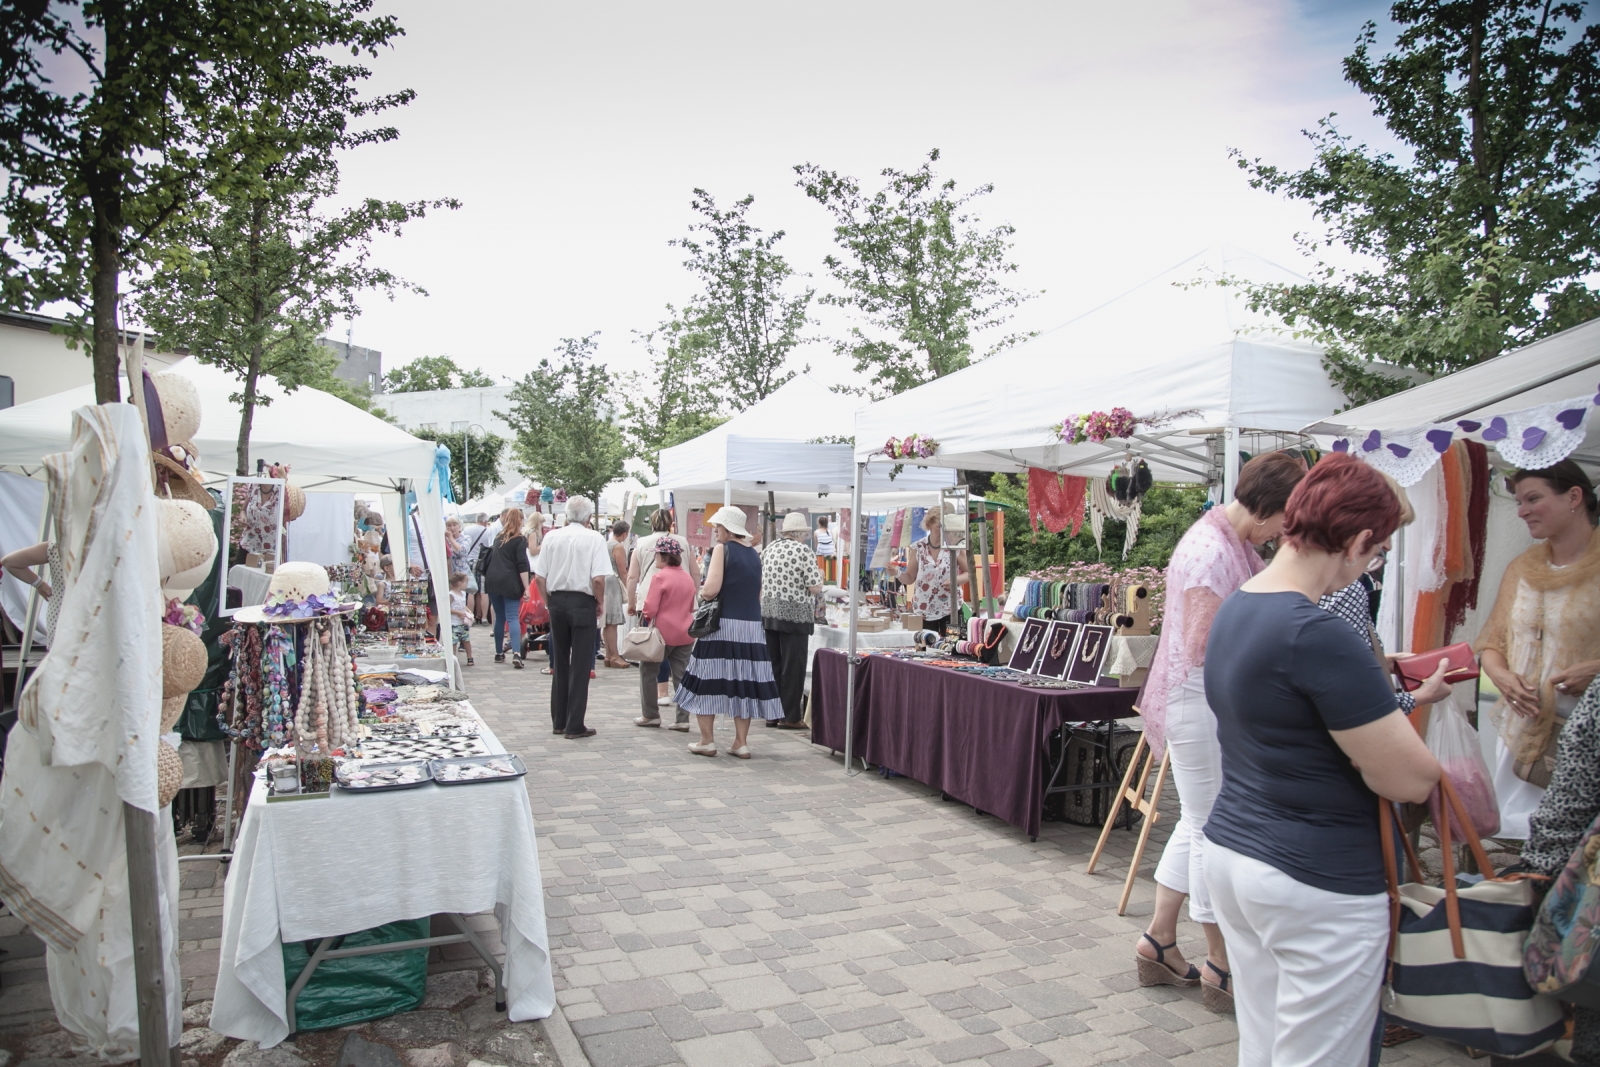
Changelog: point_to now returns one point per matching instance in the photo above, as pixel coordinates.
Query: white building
(36, 363)
(450, 410)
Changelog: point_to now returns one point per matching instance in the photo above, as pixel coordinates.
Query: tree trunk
(103, 307)
(247, 410)
(257, 315)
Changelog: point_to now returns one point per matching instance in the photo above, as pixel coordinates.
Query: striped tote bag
(1455, 954)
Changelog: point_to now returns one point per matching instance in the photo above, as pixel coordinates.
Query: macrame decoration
(1102, 504)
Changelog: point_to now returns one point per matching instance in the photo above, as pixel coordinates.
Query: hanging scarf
(1102, 505)
(1056, 500)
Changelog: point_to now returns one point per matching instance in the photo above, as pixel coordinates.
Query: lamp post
(466, 460)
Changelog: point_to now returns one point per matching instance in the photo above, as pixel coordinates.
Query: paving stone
(728, 1022)
(249, 1054)
(417, 1029)
(980, 1024)
(605, 1024)
(646, 994)
(1017, 1057)
(1046, 1000)
(876, 1015)
(1161, 1043)
(647, 1047)
(783, 1043)
(357, 1051)
(966, 1048)
(676, 1022)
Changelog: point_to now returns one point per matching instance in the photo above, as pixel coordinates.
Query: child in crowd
(461, 615)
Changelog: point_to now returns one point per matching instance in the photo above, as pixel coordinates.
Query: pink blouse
(1209, 565)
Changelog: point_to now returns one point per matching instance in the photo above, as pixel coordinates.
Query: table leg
(487, 957)
(324, 946)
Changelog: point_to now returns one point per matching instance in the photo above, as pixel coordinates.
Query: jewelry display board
(1030, 645)
(1059, 645)
(1090, 655)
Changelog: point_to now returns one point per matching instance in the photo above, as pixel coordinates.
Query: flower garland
(1097, 426)
(914, 447)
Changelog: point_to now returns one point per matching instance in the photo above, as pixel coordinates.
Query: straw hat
(172, 711)
(169, 773)
(182, 464)
(795, 522)
(180, 405)
(730, 519)
(298, 593)
(183, 660)
(187, 540)
(294, 502)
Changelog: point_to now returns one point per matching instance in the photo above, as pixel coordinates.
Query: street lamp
(466, 459)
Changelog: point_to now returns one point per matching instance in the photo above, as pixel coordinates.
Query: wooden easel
(1134, 796)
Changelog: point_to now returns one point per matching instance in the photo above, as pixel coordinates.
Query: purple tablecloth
(980, 740)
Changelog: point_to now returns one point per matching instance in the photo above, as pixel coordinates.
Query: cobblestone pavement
(724, 913)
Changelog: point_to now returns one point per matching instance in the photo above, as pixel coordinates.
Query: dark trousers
(572, 631)
(788, 654)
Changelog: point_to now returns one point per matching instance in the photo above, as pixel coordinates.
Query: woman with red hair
(1311, 737)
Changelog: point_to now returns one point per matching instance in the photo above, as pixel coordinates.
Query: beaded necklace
(277, 661)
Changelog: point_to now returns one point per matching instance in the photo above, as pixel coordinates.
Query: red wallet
(1414, 670)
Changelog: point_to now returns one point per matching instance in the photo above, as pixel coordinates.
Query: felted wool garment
(1056, 500)
(1208, 566)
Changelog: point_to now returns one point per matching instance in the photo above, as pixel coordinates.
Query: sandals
(470, 663)
(1217, 998)
(1157, 972)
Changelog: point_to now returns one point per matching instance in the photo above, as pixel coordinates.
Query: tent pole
(855, 599)
(1230, 463)
(1399, 592)
(727, 492)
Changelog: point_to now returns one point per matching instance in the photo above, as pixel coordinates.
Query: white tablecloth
(318, 868)
(829, 637)
(1129, 654)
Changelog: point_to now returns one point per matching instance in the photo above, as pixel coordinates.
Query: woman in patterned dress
(790, 581)
(927, 575)
(730, 673)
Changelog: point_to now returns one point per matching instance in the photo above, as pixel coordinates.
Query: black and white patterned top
(1353, 604)
(1572, 803)
(788, 571)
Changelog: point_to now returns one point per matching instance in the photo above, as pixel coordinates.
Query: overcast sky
(574, 134)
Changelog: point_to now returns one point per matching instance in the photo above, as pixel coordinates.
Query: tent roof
(1192, 355)
(763, 449)
(318, 435)
(1556, 368)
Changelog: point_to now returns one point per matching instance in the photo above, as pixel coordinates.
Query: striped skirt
(730, 674)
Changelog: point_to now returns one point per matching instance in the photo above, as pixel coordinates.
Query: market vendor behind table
(926, 576)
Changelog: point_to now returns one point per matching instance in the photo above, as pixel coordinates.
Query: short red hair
(1339, 498)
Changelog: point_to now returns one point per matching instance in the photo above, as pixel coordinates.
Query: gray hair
(795, 535)
(580, 509)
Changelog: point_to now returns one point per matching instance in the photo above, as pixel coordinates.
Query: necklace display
(239, 709)
(1091, 646)
(326, 717)
(277, 701)
(1031, 642)
(1058, 647)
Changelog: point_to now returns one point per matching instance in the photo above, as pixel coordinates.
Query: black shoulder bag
(707, 617)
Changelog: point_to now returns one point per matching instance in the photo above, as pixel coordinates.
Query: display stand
(1135, 800)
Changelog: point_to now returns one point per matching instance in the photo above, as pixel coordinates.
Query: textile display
(468, 850)
(1069, 601)
(86, 741)
(1464, 594)
(1103, 505)
(1056, 500)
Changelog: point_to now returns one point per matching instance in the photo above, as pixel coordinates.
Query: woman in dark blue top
(730, 672)
(1311, 736)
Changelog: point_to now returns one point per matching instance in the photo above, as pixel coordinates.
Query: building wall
(40, 364)
(357, 365)
(451, 410)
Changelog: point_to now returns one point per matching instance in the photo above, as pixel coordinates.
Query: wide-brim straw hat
(730, 519)
(183, 660)
(182, 464)
(187, 540)
(795, 522)
(169, 773)
(180, 405)
(298, 592)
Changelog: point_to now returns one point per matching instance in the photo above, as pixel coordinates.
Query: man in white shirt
(571, 569)
(474, 536)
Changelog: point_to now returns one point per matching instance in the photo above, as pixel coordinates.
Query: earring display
(1059, 645)
(1030, 645)
(1090, 655)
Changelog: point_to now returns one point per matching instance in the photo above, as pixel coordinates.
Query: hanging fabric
(1103, 505)
(1055, 500)
(1464, 595)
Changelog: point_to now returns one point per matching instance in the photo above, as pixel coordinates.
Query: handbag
(644, 644)
(707, 617)
(1455, 954)
(1415, 670)
(1559, 955)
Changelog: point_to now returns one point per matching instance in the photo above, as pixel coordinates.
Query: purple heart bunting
(1468, 426)
(1342, 445)
(1439, 439)
(1532, 438)
(1570, 418)
(1496, 430)
(1374, 439)
(1400, 450)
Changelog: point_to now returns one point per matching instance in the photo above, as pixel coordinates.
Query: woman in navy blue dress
(730, 673)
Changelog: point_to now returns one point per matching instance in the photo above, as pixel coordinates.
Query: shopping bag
(1454, 743)
(1455, 954)
(1559, 956)
(533, 613)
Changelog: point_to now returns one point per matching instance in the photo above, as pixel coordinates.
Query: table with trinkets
(430, 817)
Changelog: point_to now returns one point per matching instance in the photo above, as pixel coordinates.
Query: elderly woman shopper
(927, 576)
(729, 673)
(669, 607)
(507, 582)
(790, 580)
(1214, 558)
(641, 568)
(1311, 737)
(1541, 644)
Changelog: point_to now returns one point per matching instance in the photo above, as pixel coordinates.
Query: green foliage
(484, 453)
(561, 413)
(115, 117)
(433, 372)
(671, 402)
(917, 268)
(1482, 239)
(744, 321)
(1168, 511)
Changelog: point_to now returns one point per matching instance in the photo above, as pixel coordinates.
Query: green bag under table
(357, 989)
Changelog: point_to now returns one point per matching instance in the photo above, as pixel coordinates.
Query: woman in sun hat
(730, 673)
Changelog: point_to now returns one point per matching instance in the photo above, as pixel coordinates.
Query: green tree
(433, 372)
(561, 413)
(671, 402)
(1166, 514)
(917, 268)
(1481, 234)
(484, 453)
(744, 319)
(115, 117)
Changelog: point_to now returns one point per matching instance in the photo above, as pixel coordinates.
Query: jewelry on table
(1059, 648)
(1090, 650)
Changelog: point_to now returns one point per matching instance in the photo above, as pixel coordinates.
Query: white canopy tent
(1187, 359)
(328, 444)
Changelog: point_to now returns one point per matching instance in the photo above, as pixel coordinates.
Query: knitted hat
(169, 773)
(183, 660)
(298, 592)
(186, 538)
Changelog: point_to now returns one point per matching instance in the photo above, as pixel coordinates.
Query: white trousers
(1197, 772)
(1307, 964)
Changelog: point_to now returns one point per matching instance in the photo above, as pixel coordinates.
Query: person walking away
(641, 568)
(1541, 644)
(507, 582)
(1212, 560)
(475, 537)
(616, 601)
(926, 576)
(460, 615)
(669, 607)
(729, 673)
(824, 540)
(571, 568)
(1311, 737)
(790, 581)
